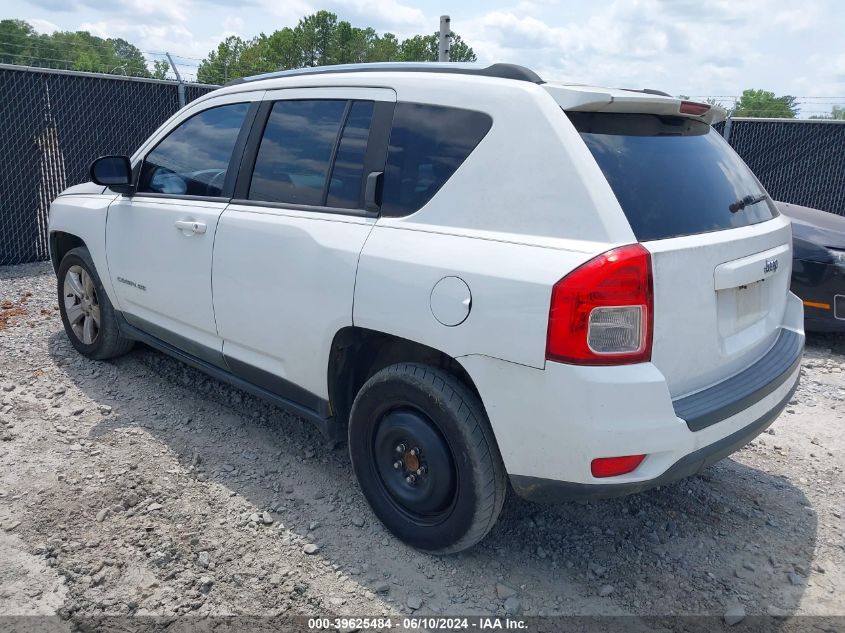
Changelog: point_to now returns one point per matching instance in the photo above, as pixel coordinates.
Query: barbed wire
(34, 55)
(31, 53)
(738, 96)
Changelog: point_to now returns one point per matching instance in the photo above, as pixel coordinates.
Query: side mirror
(114, 172)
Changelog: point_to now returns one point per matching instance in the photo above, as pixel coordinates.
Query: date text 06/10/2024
(432, 623)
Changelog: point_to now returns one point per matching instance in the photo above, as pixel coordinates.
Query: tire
(81, 294)
(459, 480)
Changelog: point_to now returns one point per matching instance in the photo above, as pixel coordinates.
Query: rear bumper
(729, 397)
(549, 490)
(551, 423)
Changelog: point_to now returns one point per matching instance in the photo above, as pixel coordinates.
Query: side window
(427, 145)
(194, 158)
(296, 150)
(348, 170)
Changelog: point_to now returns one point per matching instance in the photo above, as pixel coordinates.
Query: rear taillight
(602, 313)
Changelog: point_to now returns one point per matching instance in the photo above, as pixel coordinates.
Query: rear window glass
(672, 176)
(427, 145)
(295, 154)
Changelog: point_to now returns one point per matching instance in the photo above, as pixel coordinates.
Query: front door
(159, 241)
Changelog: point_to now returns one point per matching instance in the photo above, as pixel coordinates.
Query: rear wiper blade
(747, 201)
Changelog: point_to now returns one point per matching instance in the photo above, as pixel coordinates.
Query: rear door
(721, 254)
(287, 247)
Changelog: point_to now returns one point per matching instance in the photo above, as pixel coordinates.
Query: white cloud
(287, 13)
(688, 45)
(383, 15)
(148, 37)
(838, 68)
(386, 11)
(233, 24)
(682, 46)
(44, 26)
(800, 17)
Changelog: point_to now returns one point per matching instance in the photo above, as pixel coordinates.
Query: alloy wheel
(81, 305)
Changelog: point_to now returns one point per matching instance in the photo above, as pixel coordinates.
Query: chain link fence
(52, 125)
(798, 161)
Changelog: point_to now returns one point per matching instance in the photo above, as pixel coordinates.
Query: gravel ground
(141, 486)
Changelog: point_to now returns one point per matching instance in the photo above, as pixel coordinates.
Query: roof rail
(503, 71)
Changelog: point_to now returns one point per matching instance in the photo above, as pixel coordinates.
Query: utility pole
(180, 87)
(445, 33)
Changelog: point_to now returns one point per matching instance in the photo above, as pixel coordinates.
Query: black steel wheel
(415, 465)
(426, 458)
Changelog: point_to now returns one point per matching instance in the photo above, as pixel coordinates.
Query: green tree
(460, 51)
(254, 57)
(16, 38)
(70, 50)
(284, 50)
(419, 48)
(385, 48)
(317, 40)
(764, 104)
(425, 48)
(160, 69)
(837, 113)
(224, 62)
(317, 36)
(351, 44)
(129, 57)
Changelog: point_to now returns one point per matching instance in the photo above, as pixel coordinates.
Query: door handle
(372, 191)
(189, 225)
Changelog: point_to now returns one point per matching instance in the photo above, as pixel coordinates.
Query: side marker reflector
(613, 466)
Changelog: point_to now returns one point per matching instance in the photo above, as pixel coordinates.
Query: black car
(818, 266)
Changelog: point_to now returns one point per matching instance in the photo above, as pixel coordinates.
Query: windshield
(672, 176)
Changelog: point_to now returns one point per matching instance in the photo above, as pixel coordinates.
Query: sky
(684, 47)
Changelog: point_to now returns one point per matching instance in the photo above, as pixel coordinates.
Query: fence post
(445, 31)
(726, 132)
(180, 87)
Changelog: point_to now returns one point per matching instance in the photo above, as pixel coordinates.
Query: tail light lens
(615, 466)
(602, 312)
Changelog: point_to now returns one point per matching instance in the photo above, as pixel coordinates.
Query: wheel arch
(60, 243)
(358, 353)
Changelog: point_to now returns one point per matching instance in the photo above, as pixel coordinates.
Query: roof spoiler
(592, 99)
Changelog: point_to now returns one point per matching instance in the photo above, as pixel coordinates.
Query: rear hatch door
(721, 255)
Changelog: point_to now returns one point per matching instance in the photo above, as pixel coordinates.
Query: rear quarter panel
(526, 207)
(510, 285)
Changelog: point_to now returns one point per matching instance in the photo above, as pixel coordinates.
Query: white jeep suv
(480, 278)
